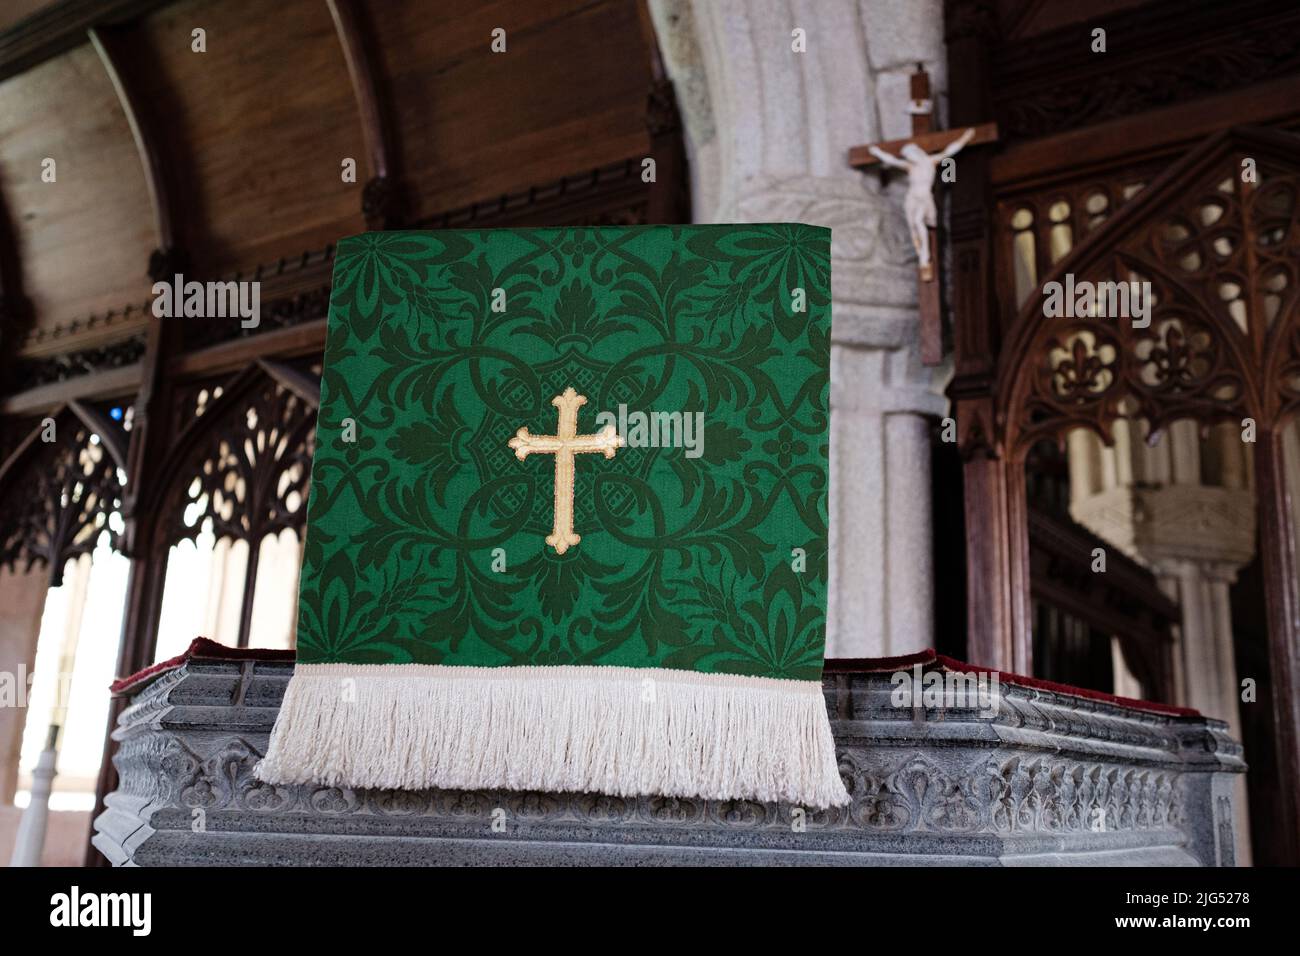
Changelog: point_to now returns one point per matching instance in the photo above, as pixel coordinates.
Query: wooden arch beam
(8, 464)
(305, 385)
(112, 434)
(381, 198)
(108, 43)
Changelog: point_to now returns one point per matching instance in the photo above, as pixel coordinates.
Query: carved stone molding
(872, 262)
(1039, 777)
(679, 44)
(1178, 521)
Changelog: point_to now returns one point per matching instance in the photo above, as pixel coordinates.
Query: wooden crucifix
(921, 156)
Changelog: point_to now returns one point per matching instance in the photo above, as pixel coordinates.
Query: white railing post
(31, 829)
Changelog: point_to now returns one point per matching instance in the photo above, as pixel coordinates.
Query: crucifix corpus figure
(918, 204)
(921, 155)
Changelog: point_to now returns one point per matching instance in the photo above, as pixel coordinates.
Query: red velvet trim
(873, 665)
(203, 649)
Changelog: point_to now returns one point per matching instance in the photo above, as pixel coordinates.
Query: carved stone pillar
(768, 131)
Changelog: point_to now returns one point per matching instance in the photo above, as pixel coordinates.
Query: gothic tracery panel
(248, 470)
(61, 495)
(1041, 227)
(1214, 336)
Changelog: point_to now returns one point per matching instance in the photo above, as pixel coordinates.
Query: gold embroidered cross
(564, 444)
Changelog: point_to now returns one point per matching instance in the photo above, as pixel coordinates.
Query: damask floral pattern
(425, 532)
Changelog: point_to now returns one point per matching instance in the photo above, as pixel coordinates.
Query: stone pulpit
(1028, 773)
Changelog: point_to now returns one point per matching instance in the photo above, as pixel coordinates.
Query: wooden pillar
(988, 614)
(669, 201)
(997, 536)
(125, 56)
(1277, 550)
(250, 591)
(141, 542)
(999, 629)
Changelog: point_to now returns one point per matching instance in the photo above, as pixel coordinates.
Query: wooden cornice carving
(1157, 55)
(60, 27)
(609, 195)
(295, 289)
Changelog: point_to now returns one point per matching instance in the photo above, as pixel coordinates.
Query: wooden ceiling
(249, 137)
(84, 240)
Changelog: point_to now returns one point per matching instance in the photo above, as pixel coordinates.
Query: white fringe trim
(625, 731)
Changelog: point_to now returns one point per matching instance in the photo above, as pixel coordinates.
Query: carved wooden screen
(1219, 250)
(1116, 385)
(241, 463)
(1040, 227)
(63, 486)
(1217, 236)
(1219, 253)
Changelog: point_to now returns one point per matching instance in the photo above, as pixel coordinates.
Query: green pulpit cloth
(567, 526)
